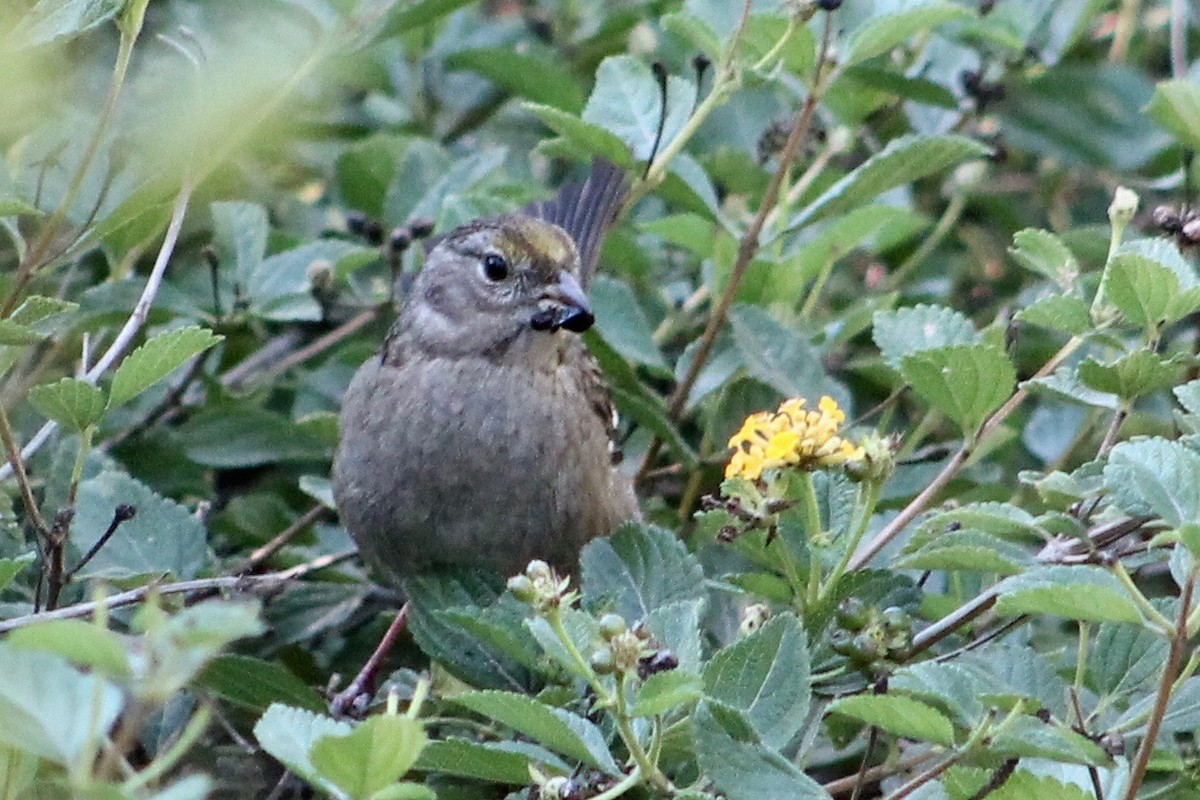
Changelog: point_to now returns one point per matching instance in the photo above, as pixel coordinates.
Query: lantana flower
(791, 437)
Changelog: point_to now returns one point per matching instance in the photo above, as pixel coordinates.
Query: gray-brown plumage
(481, 434)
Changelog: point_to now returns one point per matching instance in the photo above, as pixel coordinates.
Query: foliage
(915, 210)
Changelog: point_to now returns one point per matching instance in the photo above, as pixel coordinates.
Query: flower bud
(521, 588)
(612, 625)
(1124, 205)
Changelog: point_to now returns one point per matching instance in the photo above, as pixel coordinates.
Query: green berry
(612, 625)
(853, 614)
(522, 588)
(602, 662)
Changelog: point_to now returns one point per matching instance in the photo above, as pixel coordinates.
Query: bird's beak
(567, 307)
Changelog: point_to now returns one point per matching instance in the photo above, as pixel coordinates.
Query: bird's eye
(495, 267)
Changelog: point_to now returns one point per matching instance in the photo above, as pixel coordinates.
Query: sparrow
(482, 434)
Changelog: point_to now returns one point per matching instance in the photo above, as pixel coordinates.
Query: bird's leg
(365, 679)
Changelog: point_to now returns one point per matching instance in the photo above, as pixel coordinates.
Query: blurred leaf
(591, 139)
(1125, 659)
(921, 327)
(1080, 592)
(968, 550)
(622, 322)
(1147, 292)
(638, 569)
(780, 356)
(531, 74)
(164, 537)
(371, 757)
(947, 686)
(1182, 714)
(882, 32)
(902, 161)
(280, 287)
(50, 20)
(240, 234)
(560, 730)
(70, 402)
(243, 436)
(421, 12)
(255, 684)
(1176, 106)
(11, 567)
(739, 765)
(1029, 737)
(765, 675)
(12, 333)
(43, 314)
(1058, 312)
(964, 382)
(156, 359)
(83, 643)
(898, 715)
(50, 709)
(627, 102)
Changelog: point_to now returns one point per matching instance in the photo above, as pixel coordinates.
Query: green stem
(629, 736)
(621, 787)
(771, 54)
(812, 522)
(1154, 618)
(1081, 656)
(954, 210)
(183, 743)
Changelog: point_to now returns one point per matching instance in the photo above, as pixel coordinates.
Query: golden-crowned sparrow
(482, 433)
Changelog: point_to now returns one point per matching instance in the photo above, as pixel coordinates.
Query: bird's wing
(595, 389)
(585, 211)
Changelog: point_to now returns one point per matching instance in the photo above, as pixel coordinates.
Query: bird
(482, 434)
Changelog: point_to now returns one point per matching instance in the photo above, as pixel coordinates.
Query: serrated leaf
(881, 32)
(240, 233)
(964, 382)
(70, 402)
(739, 765)
(968, 550)
(1125, 659)
(288, 734)
(1182, 714)
(1134, 375)
(665, 691)
(559, 730)
(1065, 385)
(902, 161)
(156, 359)
(479, 760)
(1146, 292)
(1176, 106)
(1058, 312)
(639, 569)
(1076, 592)
(371, 757)
(765, 675)
(591, 139)
(1029, 737)
(947, 686)
(528, 73)
(42, 314)
(898, 715)
(921, 327)
(1044, 253)
(1155, 476)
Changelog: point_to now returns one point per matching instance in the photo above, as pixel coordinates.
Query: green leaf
(766, 676)
(288, 734)
(233, 436)
(531, 74)
(898, 715)
(11, 567)
(664, 691)
(371, 757)
(1147, 292)
(964, 382)
(779, 356)
(82, 643)
(622, 322)
(902, 161)
(1134, 375)
(422, 12)
(485, 761)
(559, 730)
(280, 288)
(1081, 593)
(1182, 714)
(1125, 659)
(1058, 312)
(70, 402)
(591, 139)
(949, 687)
(164, 537)
(1155, 476)
(921, 327)
(1029, 737)
(255, 684)
(156, 359)
(51, 20)
(1176, 106)
(12, 333)
(50, 709)
(739, 765)
(968, 550)
(1044, 253)
(240, 233)
(882, 32)
(43, 314)
(626, 101)
(638, 569)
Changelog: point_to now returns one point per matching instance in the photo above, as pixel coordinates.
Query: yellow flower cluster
(791, 437)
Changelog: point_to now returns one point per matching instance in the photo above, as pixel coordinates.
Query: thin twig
(17, 467)
(847, 784)
(1179, 13)
(313, 348)
(1166, 683)
(347, 698)
(261, 554)
(925, 777)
